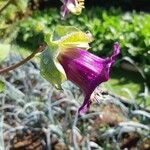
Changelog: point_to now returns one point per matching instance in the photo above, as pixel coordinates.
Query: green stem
(14, 66)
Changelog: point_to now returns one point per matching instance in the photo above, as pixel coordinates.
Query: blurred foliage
(10, 12)
(130, 29)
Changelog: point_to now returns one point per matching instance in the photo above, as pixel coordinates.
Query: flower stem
(14, 66)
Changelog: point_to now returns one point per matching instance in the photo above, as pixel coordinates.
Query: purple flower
(86, 70)
(67, 58)
(73, 6)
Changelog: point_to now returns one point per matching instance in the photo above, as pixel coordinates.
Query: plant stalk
(14, 66)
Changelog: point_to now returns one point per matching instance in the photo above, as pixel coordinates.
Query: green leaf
(2, 86)
(4, 51)
(50, 69)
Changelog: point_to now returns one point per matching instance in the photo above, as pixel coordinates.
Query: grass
(127, 84)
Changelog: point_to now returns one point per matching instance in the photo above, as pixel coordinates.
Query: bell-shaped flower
(73, 6)
(86, 70)
(72, 61)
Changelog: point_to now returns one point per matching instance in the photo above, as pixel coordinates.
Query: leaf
(4, 51)
(2, 86)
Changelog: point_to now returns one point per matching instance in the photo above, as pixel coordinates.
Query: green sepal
(61, 31)
(49, 70)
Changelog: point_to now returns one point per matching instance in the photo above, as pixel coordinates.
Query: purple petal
(86, 70)
(64, 9)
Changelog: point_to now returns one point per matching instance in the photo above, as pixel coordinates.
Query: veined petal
(86, 70)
